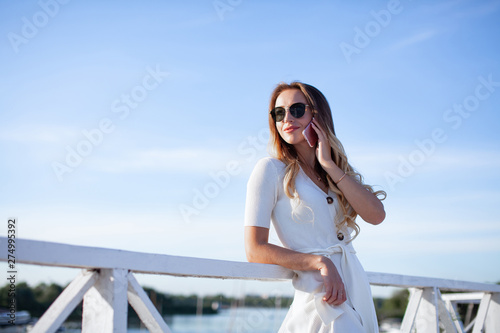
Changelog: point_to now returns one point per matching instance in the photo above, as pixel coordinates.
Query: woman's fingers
(318, 130)
(328, 293)
(341, 298)
(323, 148)
(335, 293)
(337, 297)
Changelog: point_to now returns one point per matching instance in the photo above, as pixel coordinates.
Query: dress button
(340, 236)
(329, 200)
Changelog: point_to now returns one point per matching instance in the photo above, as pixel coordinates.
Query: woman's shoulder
(270, 163)
(268, 168)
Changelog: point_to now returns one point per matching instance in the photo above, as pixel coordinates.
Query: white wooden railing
(107, 284)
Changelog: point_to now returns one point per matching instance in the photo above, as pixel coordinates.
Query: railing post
(105, 305)
(62, 307)
(451, 308)
(144, 308)
(481, 313)
(448, 318)
(492, 323)
(427, 319)
(411, 309)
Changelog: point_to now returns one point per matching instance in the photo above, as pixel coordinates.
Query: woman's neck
(307, 154)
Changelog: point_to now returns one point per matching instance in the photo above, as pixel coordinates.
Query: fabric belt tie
(356, 285)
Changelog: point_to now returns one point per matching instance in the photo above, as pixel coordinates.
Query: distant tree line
(37, 299)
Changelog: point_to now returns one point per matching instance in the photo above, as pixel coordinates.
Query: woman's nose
(288, 116)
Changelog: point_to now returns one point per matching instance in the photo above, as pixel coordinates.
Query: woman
(312, 195)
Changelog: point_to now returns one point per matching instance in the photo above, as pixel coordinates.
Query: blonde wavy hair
(286, 153)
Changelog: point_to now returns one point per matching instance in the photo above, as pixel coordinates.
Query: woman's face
(290, 128)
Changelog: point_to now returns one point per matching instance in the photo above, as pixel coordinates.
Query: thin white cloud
(166, 160)
(50, 143)
(439, 160)
(481, 10)
(419, 246)
(438, 8)
(412, 40)
(30, 133)
(433, 236)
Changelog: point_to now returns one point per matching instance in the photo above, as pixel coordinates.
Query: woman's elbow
(251, 254)
(377, 217)
(255, 243)
(251, 257)
(256, 253)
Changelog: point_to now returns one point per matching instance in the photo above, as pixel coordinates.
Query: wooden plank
(445, 317)
(105, 305)
(64, 255)
(481, 313)
(464, 297)
(67, 301)
(452, 309)
(468, 316)
(144, 308)
(470, 325)
(411, 310)
(427, 319)
(407, 281)
(492, 323)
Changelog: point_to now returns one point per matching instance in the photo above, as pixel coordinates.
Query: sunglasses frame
(273, 111)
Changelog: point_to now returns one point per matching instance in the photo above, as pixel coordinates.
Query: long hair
(286, 153)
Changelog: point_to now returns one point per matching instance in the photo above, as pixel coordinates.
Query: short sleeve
(261, 194)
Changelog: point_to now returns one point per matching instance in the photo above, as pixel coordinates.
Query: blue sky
(135, 125)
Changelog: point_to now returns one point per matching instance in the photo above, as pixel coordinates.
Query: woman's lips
(290, 129)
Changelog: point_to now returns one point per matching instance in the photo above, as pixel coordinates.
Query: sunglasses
(297, 110)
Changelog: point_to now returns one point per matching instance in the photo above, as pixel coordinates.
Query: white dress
(308, 227)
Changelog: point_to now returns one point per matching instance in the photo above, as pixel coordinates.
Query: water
(258, 320)
(239, 320)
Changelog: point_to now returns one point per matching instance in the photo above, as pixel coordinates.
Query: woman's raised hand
(323, 150)
(334, 287)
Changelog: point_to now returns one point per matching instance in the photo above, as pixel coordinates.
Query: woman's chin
(297, 141)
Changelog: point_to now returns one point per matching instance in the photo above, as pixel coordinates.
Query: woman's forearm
(365, 203)
(265, 253)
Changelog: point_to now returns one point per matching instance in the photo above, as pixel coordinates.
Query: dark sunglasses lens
(278, 114)
(297, 110)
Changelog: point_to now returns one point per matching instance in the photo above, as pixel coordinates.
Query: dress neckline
(314, 184)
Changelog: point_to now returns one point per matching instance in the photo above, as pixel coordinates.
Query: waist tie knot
(355, 282)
